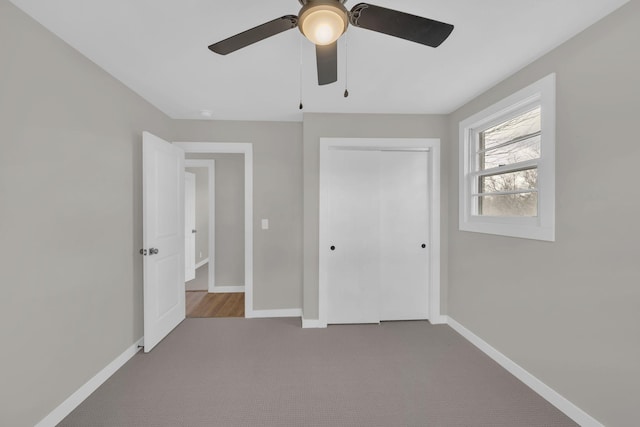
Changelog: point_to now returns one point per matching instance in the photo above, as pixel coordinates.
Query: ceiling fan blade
(399, 24)
(255, 34)
(327, 62)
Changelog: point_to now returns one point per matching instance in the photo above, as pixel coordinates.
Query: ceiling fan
(324, 21)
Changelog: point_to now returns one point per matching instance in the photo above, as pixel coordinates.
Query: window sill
(523, 231)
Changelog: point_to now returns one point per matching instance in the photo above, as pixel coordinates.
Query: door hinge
(143, 252)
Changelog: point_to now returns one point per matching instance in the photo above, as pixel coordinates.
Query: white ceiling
(158, 48)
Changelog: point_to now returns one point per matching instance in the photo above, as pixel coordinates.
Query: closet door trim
(432, 146)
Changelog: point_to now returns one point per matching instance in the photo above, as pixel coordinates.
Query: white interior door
(377, 263)
(189, 226)
(353, 224)
(163, 238)
(404, 219)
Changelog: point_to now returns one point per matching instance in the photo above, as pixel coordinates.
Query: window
(507, 165)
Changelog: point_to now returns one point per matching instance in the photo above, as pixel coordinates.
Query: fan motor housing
(304, 2)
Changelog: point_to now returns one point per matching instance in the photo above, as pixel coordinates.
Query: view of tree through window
(507, 181)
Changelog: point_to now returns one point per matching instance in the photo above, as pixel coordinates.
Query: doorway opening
(222, 284)
(215, 243)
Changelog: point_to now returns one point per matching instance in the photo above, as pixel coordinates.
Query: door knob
(333, 248)
(153, 251)
(423, 246)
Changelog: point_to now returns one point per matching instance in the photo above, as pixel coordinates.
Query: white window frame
(542, 227)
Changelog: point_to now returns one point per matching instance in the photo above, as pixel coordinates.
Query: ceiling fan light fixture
(323, 22)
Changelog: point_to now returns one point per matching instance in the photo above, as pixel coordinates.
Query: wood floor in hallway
(204, 304)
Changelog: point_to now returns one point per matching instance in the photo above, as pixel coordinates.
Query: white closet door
(353, 226)
(404, 271)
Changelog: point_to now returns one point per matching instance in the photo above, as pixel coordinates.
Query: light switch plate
(265, 224)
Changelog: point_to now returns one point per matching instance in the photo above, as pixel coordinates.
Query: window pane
(525, 124)
(511, 181)
(511, 205)
(520, 151)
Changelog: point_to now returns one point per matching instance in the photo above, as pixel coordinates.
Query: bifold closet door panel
(404, 271)
(353, 268)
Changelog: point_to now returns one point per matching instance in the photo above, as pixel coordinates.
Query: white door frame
(246, 149)
(432, 146)
(211, 168)
(189, 215)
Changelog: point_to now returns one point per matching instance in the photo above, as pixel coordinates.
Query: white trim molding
(440, 320)
(285, 312)
(72, 402)
(202, 263)
(546, 392)
(312, 323)
(226, 289)
(246, 149)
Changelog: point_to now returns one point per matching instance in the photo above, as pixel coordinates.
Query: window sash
(522, 107)
(514, 167)
(475, 163)
(504, 193)
(511, 142)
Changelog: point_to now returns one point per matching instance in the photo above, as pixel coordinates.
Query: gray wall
(229, 218)
(202, 212)
(70, 218)
(568, 312)
(317, 126)
(277, 195)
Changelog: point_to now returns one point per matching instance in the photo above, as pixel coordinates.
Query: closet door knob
(333, 248)
(423, 246)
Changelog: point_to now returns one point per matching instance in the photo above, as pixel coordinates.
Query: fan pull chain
(300, 54)
(346, 65)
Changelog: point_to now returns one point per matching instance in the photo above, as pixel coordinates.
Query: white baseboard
(552, 396)
(227, 289)
(286, 312)
(439, 320)
(312, 323)
(201, 263)
(72, 402)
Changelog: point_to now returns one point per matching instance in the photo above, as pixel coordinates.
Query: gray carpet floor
(271, 372)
